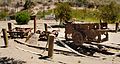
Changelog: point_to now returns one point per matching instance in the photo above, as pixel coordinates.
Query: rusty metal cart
(86, 32)
(19, 32)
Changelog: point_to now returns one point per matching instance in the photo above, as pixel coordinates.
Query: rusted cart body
(19, 32)
(86, 32)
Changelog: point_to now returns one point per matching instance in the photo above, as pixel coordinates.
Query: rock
(79, 61)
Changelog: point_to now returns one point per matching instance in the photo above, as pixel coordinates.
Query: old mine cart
(86, 32)
(19, 32)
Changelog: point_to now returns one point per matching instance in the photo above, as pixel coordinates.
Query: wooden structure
(116, 27)
(5, 36)
(86, 32)
(51, 45)
(34, 17)
(9, 26)
(19, 32)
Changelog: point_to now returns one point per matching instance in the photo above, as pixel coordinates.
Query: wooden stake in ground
(34, 24)
(50, 46)
(9, 26)
(5, 36)
(46, 30)
(45, 27)
(116, 27)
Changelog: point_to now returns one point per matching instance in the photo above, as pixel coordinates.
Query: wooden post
(45, 27)
(46, 30)
(5, 36)
(9, 26)
(50, 46)
(100, 21)
(116, 26)
(107, 36)
(99, 38)
(34, 24)
(100, 24)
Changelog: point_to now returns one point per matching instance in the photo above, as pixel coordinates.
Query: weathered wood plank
(29, 51)
(5, 36)
(40, 47)
(51, 45)
(117, 48)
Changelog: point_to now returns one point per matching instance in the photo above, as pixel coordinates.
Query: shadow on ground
(6, 60)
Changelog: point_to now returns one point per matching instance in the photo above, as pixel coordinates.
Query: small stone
(79, 61)
(32, 57)
(104, 58)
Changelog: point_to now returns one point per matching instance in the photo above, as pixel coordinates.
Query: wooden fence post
(116, 27)
(50, 46)
(5, 36)
(9, 26)
(34, 24)
(45, 25)
(46, 30)
(100, 24)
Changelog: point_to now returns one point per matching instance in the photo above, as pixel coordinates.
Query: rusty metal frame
(91, 32)
(18, 32)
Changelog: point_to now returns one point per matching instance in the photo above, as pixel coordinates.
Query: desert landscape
(59, 32)
(15, 50)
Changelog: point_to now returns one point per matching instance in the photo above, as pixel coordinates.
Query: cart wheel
(91, 34)
(77, 38)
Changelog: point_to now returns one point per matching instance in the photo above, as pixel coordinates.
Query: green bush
(63, 12)
(109, 13)
(22, 17)
(3, 15)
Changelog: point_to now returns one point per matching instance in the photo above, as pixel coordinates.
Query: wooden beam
(46, 30)
(9, 26)
(5, 36)
(36, 53)
(107, 46)
(42, 48)
(50, 46)
(116, 27)
(34, 24)
(91, 47)
(45, 25)
(69, 48)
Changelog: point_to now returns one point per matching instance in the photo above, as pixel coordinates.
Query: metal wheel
(77, 38)
(91, 34)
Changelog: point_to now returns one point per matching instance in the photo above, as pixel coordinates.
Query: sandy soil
(58, 58)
